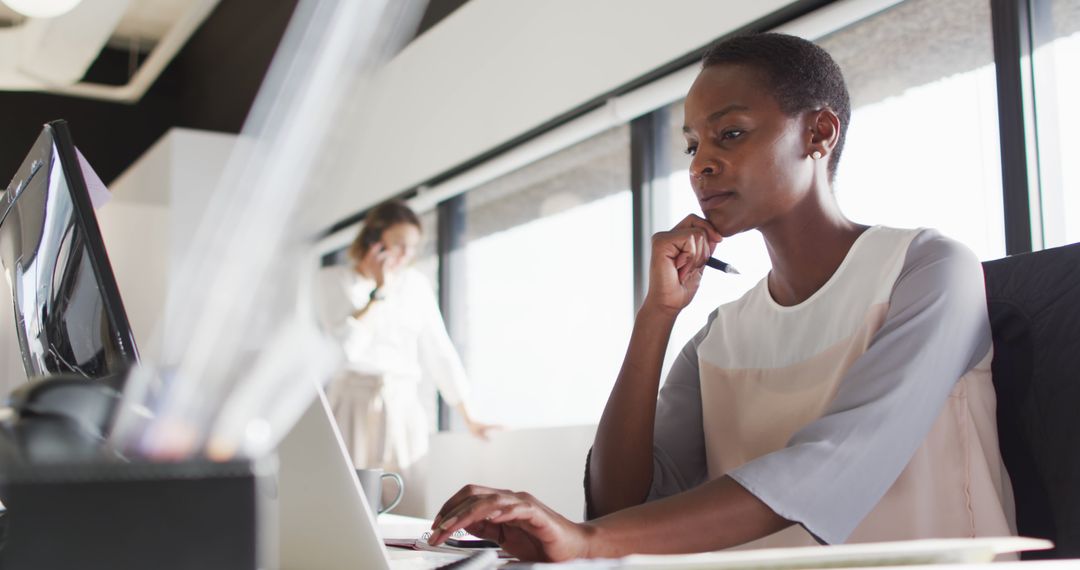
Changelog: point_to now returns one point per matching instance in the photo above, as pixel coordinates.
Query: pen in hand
(725, 267)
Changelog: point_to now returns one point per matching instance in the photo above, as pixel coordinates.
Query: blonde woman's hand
(373, 264)
(477, 428)
(678, 261)
(481, 430)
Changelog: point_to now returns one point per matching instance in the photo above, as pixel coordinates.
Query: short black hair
(800, 75)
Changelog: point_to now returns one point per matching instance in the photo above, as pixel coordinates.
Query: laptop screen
(68, 314)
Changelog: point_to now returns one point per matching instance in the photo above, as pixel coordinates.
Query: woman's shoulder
(930, 246)
(919, 246)
(935, 263)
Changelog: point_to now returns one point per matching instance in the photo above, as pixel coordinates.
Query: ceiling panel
(147, 21)
(7, 15)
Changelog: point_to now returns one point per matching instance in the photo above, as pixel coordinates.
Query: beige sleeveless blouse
(865, 413)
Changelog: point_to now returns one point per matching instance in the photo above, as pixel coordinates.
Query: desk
(396, 526)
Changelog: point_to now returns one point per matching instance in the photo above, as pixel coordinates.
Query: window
(427, 258)
(922, 148)
(549, 285)
(427, 263)
(1057, 88)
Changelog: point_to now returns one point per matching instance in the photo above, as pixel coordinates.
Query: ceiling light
(41, 8)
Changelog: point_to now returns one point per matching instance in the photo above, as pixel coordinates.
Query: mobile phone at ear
(462, 543)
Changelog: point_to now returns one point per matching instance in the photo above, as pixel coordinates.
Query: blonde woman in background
(385, 315)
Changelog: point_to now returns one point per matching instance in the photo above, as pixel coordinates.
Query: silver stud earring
(816, 155)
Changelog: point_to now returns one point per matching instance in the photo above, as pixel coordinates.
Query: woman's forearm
(620, 471)
(718, 514)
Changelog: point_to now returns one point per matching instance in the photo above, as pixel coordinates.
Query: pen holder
(134, 515)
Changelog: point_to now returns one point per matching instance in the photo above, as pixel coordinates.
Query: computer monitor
(68, 315)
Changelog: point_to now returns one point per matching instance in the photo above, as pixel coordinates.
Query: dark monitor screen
(68, 314)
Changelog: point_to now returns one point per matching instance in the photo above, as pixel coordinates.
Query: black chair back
(1034, 303)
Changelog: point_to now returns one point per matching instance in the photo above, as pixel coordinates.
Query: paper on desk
(900, 553)
(422, 544)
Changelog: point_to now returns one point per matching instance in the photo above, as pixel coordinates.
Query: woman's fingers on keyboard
(486, 530)
(468, 511)
(454, 501)
(520, 524)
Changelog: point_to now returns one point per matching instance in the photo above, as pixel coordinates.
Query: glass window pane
(1057, 88)
(427, 263)
(922, 148)
(427, 257)
(549, 285)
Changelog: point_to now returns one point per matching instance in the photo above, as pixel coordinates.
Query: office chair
(1034, 304)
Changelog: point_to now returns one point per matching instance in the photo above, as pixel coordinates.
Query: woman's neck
(363, 271)
(806, 248)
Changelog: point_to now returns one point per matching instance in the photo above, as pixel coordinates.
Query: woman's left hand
(480, 430)
(522, 525)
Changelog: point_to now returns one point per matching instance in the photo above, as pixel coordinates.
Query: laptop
(323, 516)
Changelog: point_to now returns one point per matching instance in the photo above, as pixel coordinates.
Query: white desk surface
(397, 526)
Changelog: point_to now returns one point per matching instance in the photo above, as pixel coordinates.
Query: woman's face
(750, 161)
(400, 242)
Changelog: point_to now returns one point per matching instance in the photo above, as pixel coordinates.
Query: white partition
(156, 205)
(549, 463)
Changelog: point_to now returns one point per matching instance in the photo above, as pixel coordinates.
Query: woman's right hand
(678, 261)
(373, 264)
(518, 522)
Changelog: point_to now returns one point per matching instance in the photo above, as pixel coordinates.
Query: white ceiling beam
(52, 62)
(58, 51)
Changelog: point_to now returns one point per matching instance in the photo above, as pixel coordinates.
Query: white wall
(157, 204)
(136, 240)
(495, 69)
(549, 463)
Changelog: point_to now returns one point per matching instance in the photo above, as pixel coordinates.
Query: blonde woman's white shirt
(402, 335)
(398, 342)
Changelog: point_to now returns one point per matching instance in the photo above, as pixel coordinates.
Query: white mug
(371, 482)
